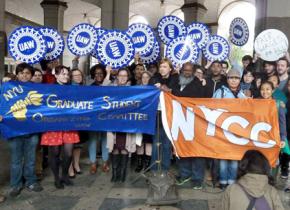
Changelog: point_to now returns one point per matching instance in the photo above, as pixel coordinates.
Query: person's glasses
(237, 78)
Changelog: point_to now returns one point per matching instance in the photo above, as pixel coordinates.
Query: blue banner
(31, 108)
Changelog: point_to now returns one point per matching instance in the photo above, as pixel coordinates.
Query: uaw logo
(115, 48)
(239, 32)
(217, 48)
(27, 44)
(54, 42)
(143, 37)
(170, 27)
(199, 33)
(182, 50)
(19, 108)
(82, 39)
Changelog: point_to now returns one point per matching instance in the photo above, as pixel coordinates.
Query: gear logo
(217, 48)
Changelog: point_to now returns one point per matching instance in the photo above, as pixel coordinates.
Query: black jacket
(170, 82)
(193, 89)
(213, 85)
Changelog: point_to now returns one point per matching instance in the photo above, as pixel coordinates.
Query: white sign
(271, 45)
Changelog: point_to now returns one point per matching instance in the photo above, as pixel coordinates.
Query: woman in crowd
(228, 168)
(77, 78)
(254, 188)
(247, 84)
(120, 144)
(277, 94)
(98, 74)
(146, 147)
(56, 140)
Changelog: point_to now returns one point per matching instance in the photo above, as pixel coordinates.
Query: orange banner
(221, 128)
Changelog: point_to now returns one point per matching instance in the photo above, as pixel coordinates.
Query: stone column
(2, 38)
(193, 10)
(54, 14)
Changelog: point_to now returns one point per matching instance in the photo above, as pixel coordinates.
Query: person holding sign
(23, 148)
(58, 139)
(228, 168)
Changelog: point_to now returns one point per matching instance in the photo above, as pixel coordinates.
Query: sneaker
(36, 187)
(287, 190)
(181, 181)
(284, 175)
(197, 186)
(223, 186)
(15, 191)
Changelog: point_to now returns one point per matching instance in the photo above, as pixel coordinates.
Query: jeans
(192, 167)
(93, 138)
(165, 150)
(23, 151)
(228, 171)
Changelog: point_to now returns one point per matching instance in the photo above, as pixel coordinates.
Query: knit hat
(234, 73)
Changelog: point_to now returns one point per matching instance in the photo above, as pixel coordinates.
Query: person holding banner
(23, 149)
(228, 168)
(120, 144)
(165, 81)
(56, 140)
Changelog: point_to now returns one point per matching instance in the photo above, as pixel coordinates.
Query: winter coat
(212, 85)
(193, 89)
(225, 92)
(255, 185)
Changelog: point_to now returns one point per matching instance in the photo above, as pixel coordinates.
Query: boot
(123, 168)
(65, 167)
(147, 162)
(115, 165)
(139, 163)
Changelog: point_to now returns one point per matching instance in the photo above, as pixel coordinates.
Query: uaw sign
(170, 27)
(32, 108)
(54, 41)
(116, 49)
(199, 33)
(239, 32)
(82, 39)
(27, 44)
(143, 38)
(217, 48)
(271, 45)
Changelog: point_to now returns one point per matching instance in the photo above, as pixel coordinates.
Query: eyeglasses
(237, 78)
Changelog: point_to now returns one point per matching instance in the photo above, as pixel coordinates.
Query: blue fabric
(228, 171)
(227, 93)
(33, 108)
(23, 150)
(192, 167)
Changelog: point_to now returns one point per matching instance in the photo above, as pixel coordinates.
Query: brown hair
(59, 69)
(166, 60)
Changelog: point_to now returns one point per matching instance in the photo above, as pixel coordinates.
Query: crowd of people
(254, 79)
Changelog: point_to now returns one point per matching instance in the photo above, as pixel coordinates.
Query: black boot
(115, 165)
(139, 163)
(123, 168)
(147, 162)
(65, 167)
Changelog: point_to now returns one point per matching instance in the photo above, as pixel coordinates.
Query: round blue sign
(153, 56)
(115, 48)
(54, 43)
(142, 36)
(82, 39)
(199, 33)
(170, 27)
(27, 44)
(100, 31)
(217, 48)
(182, 50)
(239, 32)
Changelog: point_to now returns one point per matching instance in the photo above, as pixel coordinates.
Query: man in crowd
(190, 86)
(282, 69)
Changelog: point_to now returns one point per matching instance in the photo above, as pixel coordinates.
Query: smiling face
(24, 76)
(122, 77)
(248, 77)
(37, 77)
(145, 79)
(233, 82)
(62, 77)
(99, 75)
(266, 91)
(164, 69)
(77, 76)
(274, 79)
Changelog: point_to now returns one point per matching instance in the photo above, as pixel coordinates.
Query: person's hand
(108, 69)
(1, 118)
(282, 144)
(177, 69)
(256, 57)
(165, 88)
(287, 56)
(158, 85)
(203, 82)
(137, 58)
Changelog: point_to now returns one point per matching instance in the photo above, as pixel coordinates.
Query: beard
(183, 81)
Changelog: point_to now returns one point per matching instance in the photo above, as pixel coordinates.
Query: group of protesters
(218, 79)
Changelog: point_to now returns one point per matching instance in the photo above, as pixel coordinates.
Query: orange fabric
(255, 120)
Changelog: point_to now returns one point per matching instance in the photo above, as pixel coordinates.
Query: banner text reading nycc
(30, 108)
(221, 128)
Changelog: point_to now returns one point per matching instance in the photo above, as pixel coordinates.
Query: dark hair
(247, 58)
(225, 62)
(83, 77)
(275, 75)
(246, 72)
(139, 64)
(284, 59)
(20, 68)
(37, 70)
(197, 66)
(267, 82)
(255, 162)
(273, 63)
(59, 68)
(10, 75)
(216, 61)
(95, 67)
(187, 64)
